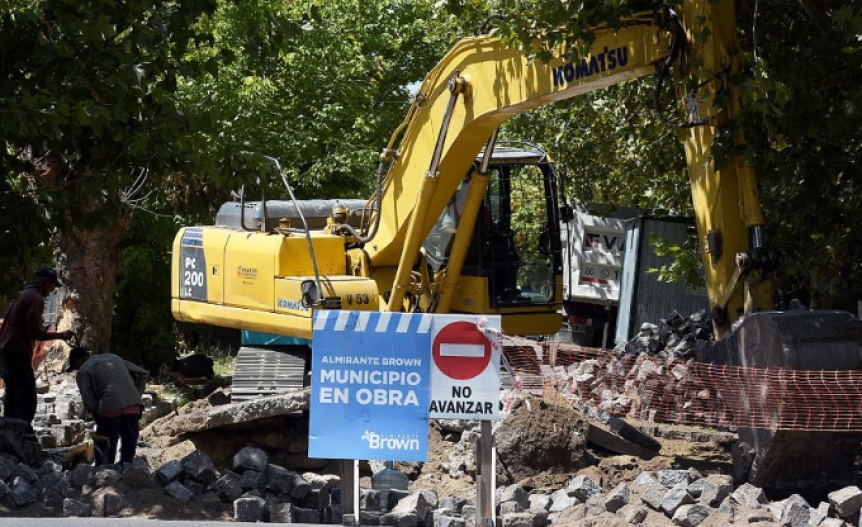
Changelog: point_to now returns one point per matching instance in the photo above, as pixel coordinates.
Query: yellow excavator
(461, 224)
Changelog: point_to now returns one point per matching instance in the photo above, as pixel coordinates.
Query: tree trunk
(91, 259)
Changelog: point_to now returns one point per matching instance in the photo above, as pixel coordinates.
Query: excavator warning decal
(193, 266)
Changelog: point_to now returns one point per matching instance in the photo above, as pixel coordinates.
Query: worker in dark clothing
(22, 326)
(111, 389)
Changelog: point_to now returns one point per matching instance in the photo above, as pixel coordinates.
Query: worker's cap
(46, 275)
(76, 355)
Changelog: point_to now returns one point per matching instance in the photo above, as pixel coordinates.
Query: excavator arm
(482, 82)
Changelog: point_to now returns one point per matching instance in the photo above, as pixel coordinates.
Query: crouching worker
(111, 389)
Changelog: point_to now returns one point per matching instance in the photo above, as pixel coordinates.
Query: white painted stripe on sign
(320, 319)
(383, 322)
(362, 320)
(403, 324)
(341, 322)
(462, 350)
(425, 324)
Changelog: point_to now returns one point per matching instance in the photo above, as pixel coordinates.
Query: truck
(609, 284)
(444, 234)
(593, 245)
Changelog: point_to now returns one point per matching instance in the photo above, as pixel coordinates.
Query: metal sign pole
(485, 476)
(349, 492)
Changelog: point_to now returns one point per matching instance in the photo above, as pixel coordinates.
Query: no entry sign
(461, 350)
(465, 380)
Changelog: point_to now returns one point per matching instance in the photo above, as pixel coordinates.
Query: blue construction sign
(370, 385)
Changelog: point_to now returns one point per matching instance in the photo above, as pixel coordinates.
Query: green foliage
(318, 86)
(24, 228)
(685, 266)
(90, 123)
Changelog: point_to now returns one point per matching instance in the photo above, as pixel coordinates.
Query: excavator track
(266, 370)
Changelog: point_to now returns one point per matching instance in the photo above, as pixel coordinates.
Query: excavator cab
(513, 264)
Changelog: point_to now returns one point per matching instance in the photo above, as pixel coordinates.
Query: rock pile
(645, 386)
(671, 497)
(61, 420)
(254, 489)
(675, 337)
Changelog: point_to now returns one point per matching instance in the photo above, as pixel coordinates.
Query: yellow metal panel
(471, 295)
(215, 241)
(239, 318)
(293, 258)
(249, 270)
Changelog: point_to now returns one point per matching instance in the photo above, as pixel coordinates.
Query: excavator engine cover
(783, 458)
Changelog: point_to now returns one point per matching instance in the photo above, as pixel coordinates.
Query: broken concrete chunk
(583, 488)
(514, 493)
(539, 502)
(53, 499)
(21, 493)
(278, 479)
(252, 479)
(137, 475)
(25, 472)
(653, 495)
(200, 467)
(248, 509)
(179, 492)
(671, 478)
(399, 519)
(617, 498)
(303, 515)
(107, 502)
(518, 519)
(227, 487)
(106, 477)
(250, 458)
(83, 475)
(645, 478)
(75, 508)
(169, 472)
(714, 490)
(749, 495)
(300, 487)
(846, 501)
(676, 498)
(446, 520)
(632, 514)
(414, 502)
(281, 513)
(690, 515)
(508, 507)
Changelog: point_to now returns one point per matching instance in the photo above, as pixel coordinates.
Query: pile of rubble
(644, 387)
(671, 497)
(257, 490)
(61, 420)
(676, 337)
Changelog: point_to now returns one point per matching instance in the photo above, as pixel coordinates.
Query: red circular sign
(461, 360)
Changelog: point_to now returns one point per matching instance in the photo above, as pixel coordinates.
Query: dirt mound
(541, 442)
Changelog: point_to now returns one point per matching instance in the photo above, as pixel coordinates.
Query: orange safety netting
(688, 392)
